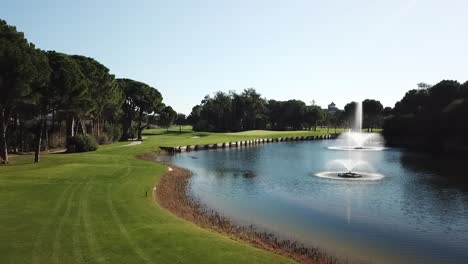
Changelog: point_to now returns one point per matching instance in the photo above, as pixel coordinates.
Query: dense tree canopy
(167, 116)
(21, 66)
(50, 97)
(248, 110)
(181, 119)
(372, 110)
(142, 103)
(107, 97)
(435, 117)
(349, 113)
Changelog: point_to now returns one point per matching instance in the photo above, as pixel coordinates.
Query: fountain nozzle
(349, 174)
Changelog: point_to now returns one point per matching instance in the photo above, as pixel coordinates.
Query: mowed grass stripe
(77, 223)
(42, 240)
(94, 252)
(58, 239)
(123, 229)
(92, 208)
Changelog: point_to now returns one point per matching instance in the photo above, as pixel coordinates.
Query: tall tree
(194, 116)
(141, 102)
(167, 117)
(67, 90)
(312, 116)
(180, 120)
(18, 70)
(102, 88)
(422, 117)
(349, 113)
(43, 97)
(443, 93)
(253, 109)
(372, 111)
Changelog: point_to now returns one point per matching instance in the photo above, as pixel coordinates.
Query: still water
(417, 213)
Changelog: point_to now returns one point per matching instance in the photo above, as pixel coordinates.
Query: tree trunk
(21, 135)
(93, 128)
(46, 135)
(127, 124)
(53, 121)
(37, 152)
(69, 129)
(140, 129)
(83, 128)
(3, 148)
(72, 127)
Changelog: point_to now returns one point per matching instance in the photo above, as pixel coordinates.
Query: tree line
(48, 98)
(248, 110)
(431, 118)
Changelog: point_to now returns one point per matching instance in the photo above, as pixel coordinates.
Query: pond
(416, 213)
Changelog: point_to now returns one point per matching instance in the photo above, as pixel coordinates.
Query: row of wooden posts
(244, 143)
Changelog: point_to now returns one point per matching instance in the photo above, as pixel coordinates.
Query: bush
(104, 139)
(81, 143)
(113, 131)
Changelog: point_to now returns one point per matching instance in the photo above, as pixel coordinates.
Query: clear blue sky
(310, 50)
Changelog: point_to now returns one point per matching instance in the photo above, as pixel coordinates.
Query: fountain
(354, 139)
(349, 169)
(354, 168)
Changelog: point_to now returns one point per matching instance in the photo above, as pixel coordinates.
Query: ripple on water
(334, 176)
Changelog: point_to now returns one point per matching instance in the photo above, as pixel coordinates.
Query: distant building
(332, 108)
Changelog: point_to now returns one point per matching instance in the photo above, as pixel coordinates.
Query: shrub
(81, 143)
(104, 139)
(113, 131)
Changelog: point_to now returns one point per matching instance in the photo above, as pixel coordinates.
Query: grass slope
(92, 208)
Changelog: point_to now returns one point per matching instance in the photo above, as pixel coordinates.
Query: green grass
(92, 208)
(174, 138)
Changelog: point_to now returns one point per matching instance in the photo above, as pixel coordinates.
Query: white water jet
(355, 139)
(359, 141)
(349, 165)
(354, 168)
(358, 118)
(362, 170)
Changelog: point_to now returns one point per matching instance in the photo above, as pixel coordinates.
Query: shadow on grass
(18, 162)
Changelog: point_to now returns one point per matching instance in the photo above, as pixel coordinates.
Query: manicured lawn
(175, 138)
(92, 208)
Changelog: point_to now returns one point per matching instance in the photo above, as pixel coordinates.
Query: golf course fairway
(98, 207)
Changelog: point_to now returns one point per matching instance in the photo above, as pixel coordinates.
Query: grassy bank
(93, 208)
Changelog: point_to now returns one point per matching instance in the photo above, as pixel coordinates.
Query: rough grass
(98, 208)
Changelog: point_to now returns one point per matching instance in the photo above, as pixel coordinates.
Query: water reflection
(447, 171)
(417, 210)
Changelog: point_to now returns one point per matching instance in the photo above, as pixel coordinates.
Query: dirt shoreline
(171, 194)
